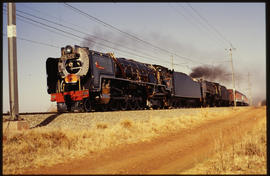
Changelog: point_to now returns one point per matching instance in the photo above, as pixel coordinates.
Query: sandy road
(170, 154)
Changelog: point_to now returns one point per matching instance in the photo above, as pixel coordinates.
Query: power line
(33, 9)
(33, 41)
(113, 27)
(37, 42)
(49, 15)
(40, 26)
(106, 24)
(44, 28)
(212, 27)
(127, 34)
(199, 24)
(46, 25)
(77, 35)
(83, 38)
(205, 20)
(78, 31)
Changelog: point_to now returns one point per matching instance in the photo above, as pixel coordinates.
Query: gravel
(88, 120)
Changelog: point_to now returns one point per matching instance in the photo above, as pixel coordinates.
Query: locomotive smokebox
(74, 60)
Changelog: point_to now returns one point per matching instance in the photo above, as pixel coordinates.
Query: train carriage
(240, 99)
(186, 92)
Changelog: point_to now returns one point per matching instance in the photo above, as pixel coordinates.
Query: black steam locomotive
(87, 80)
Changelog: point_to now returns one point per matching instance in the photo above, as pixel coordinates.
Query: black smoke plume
(107, 40)
(211, 73)
(88, 42)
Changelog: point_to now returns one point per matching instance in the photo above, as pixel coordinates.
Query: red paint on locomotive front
(74, 95)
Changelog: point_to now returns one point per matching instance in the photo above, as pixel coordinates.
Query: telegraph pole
(233, 80)
(12, 61)
(249, 90)
(172, 62)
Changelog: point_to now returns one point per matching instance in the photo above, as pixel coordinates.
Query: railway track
(38, 113)
(31, 113)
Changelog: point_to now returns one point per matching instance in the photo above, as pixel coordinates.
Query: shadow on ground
(47, 120)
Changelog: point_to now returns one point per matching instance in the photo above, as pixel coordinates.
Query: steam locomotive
(86, 80)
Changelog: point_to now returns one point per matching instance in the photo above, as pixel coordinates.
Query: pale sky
(198, 31)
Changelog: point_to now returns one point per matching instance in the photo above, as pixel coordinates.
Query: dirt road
(170, 154)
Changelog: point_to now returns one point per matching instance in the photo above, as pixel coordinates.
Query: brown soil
(170, 154)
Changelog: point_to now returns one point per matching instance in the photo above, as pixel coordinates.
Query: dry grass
(48, 146)
(102, 126)
(244, 156)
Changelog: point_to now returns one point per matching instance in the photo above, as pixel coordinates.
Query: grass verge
(48, 146)
(244, 156)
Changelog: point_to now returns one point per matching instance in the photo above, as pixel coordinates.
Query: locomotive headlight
(68, 49)
(70, 64)
(71, 78)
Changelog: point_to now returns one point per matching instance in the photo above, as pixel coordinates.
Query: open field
(95, 139)
(244, 156)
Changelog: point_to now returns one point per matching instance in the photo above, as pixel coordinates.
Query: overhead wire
(33, 41)
(81, 37)
(207, 22)
(204, 26)
(46, 14)
(200, 24)
(33, 9)
(84, 38)
(82, 32)
(180, 64)
(113, 27)
(195, 24)
(211, 26)
(60, 30)
(224, 39)
(49, 15)
(123, 32)
(44, 28)
(106, 24)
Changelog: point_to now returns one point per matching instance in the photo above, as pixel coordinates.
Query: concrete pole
(249, 90)
(12, 61)
(234, 102)
(172, 62)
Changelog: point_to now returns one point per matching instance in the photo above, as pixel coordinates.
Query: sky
(190, 34)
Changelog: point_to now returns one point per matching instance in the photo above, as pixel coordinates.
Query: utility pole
(233, 81)
(249, 90)
(172, 62)
(12, 61)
